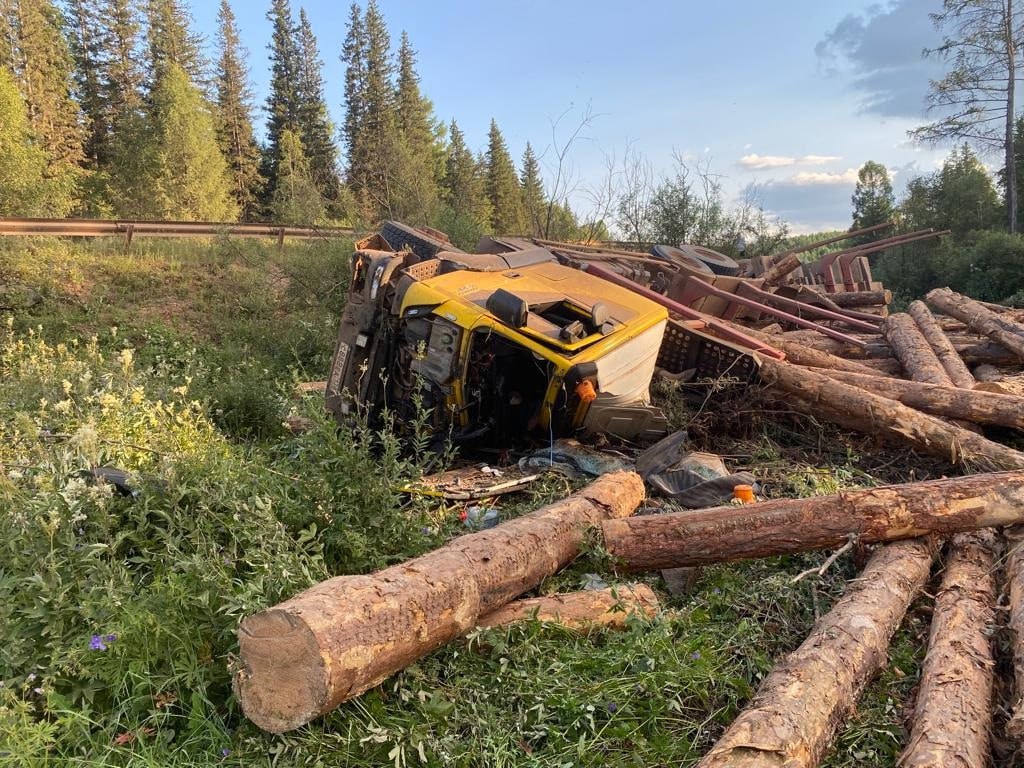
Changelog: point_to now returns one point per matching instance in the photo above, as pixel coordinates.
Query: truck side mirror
(508, 308)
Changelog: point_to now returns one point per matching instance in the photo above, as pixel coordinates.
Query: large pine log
(305, 656)
(785, 526)
(953, 712)
(853, 299)
(802, 354)
(956, 369)
(973, 352)
(1015, 623)
(866, 412)
(1004, 332)
(609, 608)
(800, 705)
(911, 348)
(977, 406)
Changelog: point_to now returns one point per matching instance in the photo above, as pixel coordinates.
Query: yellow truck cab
(495, 347)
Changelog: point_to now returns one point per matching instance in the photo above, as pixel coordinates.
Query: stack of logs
(329, 644)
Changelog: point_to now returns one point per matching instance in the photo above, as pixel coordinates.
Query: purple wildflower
(695, 655)
(110, 638)
(38, 691)
(225, 752)
(613, 707)
(97, 643)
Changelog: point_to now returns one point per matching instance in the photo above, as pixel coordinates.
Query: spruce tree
(297, 199)
(502, 186)
(873, 200)
(378, 131)
(170, 165)
(463, 184)
(282, 103)
(85, 35)
(419, 160)
(414, 111)
(25, 189)
(122, 75)
(171, 41)
(314, 122)
(534, 203)
(44, 68)
(234, 112)
(353, 54)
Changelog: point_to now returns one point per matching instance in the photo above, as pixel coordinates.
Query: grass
(177, 362)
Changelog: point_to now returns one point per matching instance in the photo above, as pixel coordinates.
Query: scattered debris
(473, 483)
(610, 608)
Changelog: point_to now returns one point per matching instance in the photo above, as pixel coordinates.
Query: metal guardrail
(130, 229)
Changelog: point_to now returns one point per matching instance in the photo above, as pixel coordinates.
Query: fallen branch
(851, 542)
(794, 716)
(305, 656)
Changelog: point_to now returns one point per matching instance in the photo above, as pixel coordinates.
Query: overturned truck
(494, 347)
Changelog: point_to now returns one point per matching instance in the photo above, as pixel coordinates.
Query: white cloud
(756, 162)
(823, 178)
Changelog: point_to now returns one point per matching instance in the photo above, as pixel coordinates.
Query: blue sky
(791, 97)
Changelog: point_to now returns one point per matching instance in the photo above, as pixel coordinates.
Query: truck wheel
(680, 258)
(422, 243)
(717, 262)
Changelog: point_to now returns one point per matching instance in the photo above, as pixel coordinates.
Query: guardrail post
(128, 235)
(280, 240)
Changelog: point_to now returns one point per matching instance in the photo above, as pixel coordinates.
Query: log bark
(852, 299)
(1015, 623)
(609, 608)
(801, 704)
(777, 273)
(1002, 331)
(973, 352)
(956, 369)
(911, 348)
(976, 406)
(302, 658)
(866, 412)
(786, 526)
(809, 356)
(953, 713)
(987, 374)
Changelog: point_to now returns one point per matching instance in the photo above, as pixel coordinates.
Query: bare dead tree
(602, 196)
(633, 209)
(557, 157)
(975, 100)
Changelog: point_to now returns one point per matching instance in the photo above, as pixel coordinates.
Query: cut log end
(285, 680)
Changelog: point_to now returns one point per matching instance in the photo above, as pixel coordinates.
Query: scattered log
(800, 705)
(972, 351)
(976, 406)
(779, 271)
(609, 608)
(911, 348)
(852, 299)
(953, 713)
(786, 526)
(809, 356)
(1002, 331)
(1015, 623)
(956, 369)
(866, 412)
(304, 657)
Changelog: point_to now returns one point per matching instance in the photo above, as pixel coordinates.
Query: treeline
(978, 258)
(111, 108)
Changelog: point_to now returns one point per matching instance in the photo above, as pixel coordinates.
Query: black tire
(717, 262)
(399, 236)
(680, 258)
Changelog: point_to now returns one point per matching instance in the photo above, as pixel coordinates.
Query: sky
(783, 101)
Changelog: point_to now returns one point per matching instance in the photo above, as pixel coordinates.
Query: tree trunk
(798, 708)
(986, 322)
(953, 713)
(871, 414)
(1009, 36)
(802, 354)
(973, 352)
(956, 369)
(305, 656)
(1015, 623)
(976, 406)
(777, 273)
(911, 348)
(785, 526)
(853, 299)
(608, 608)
